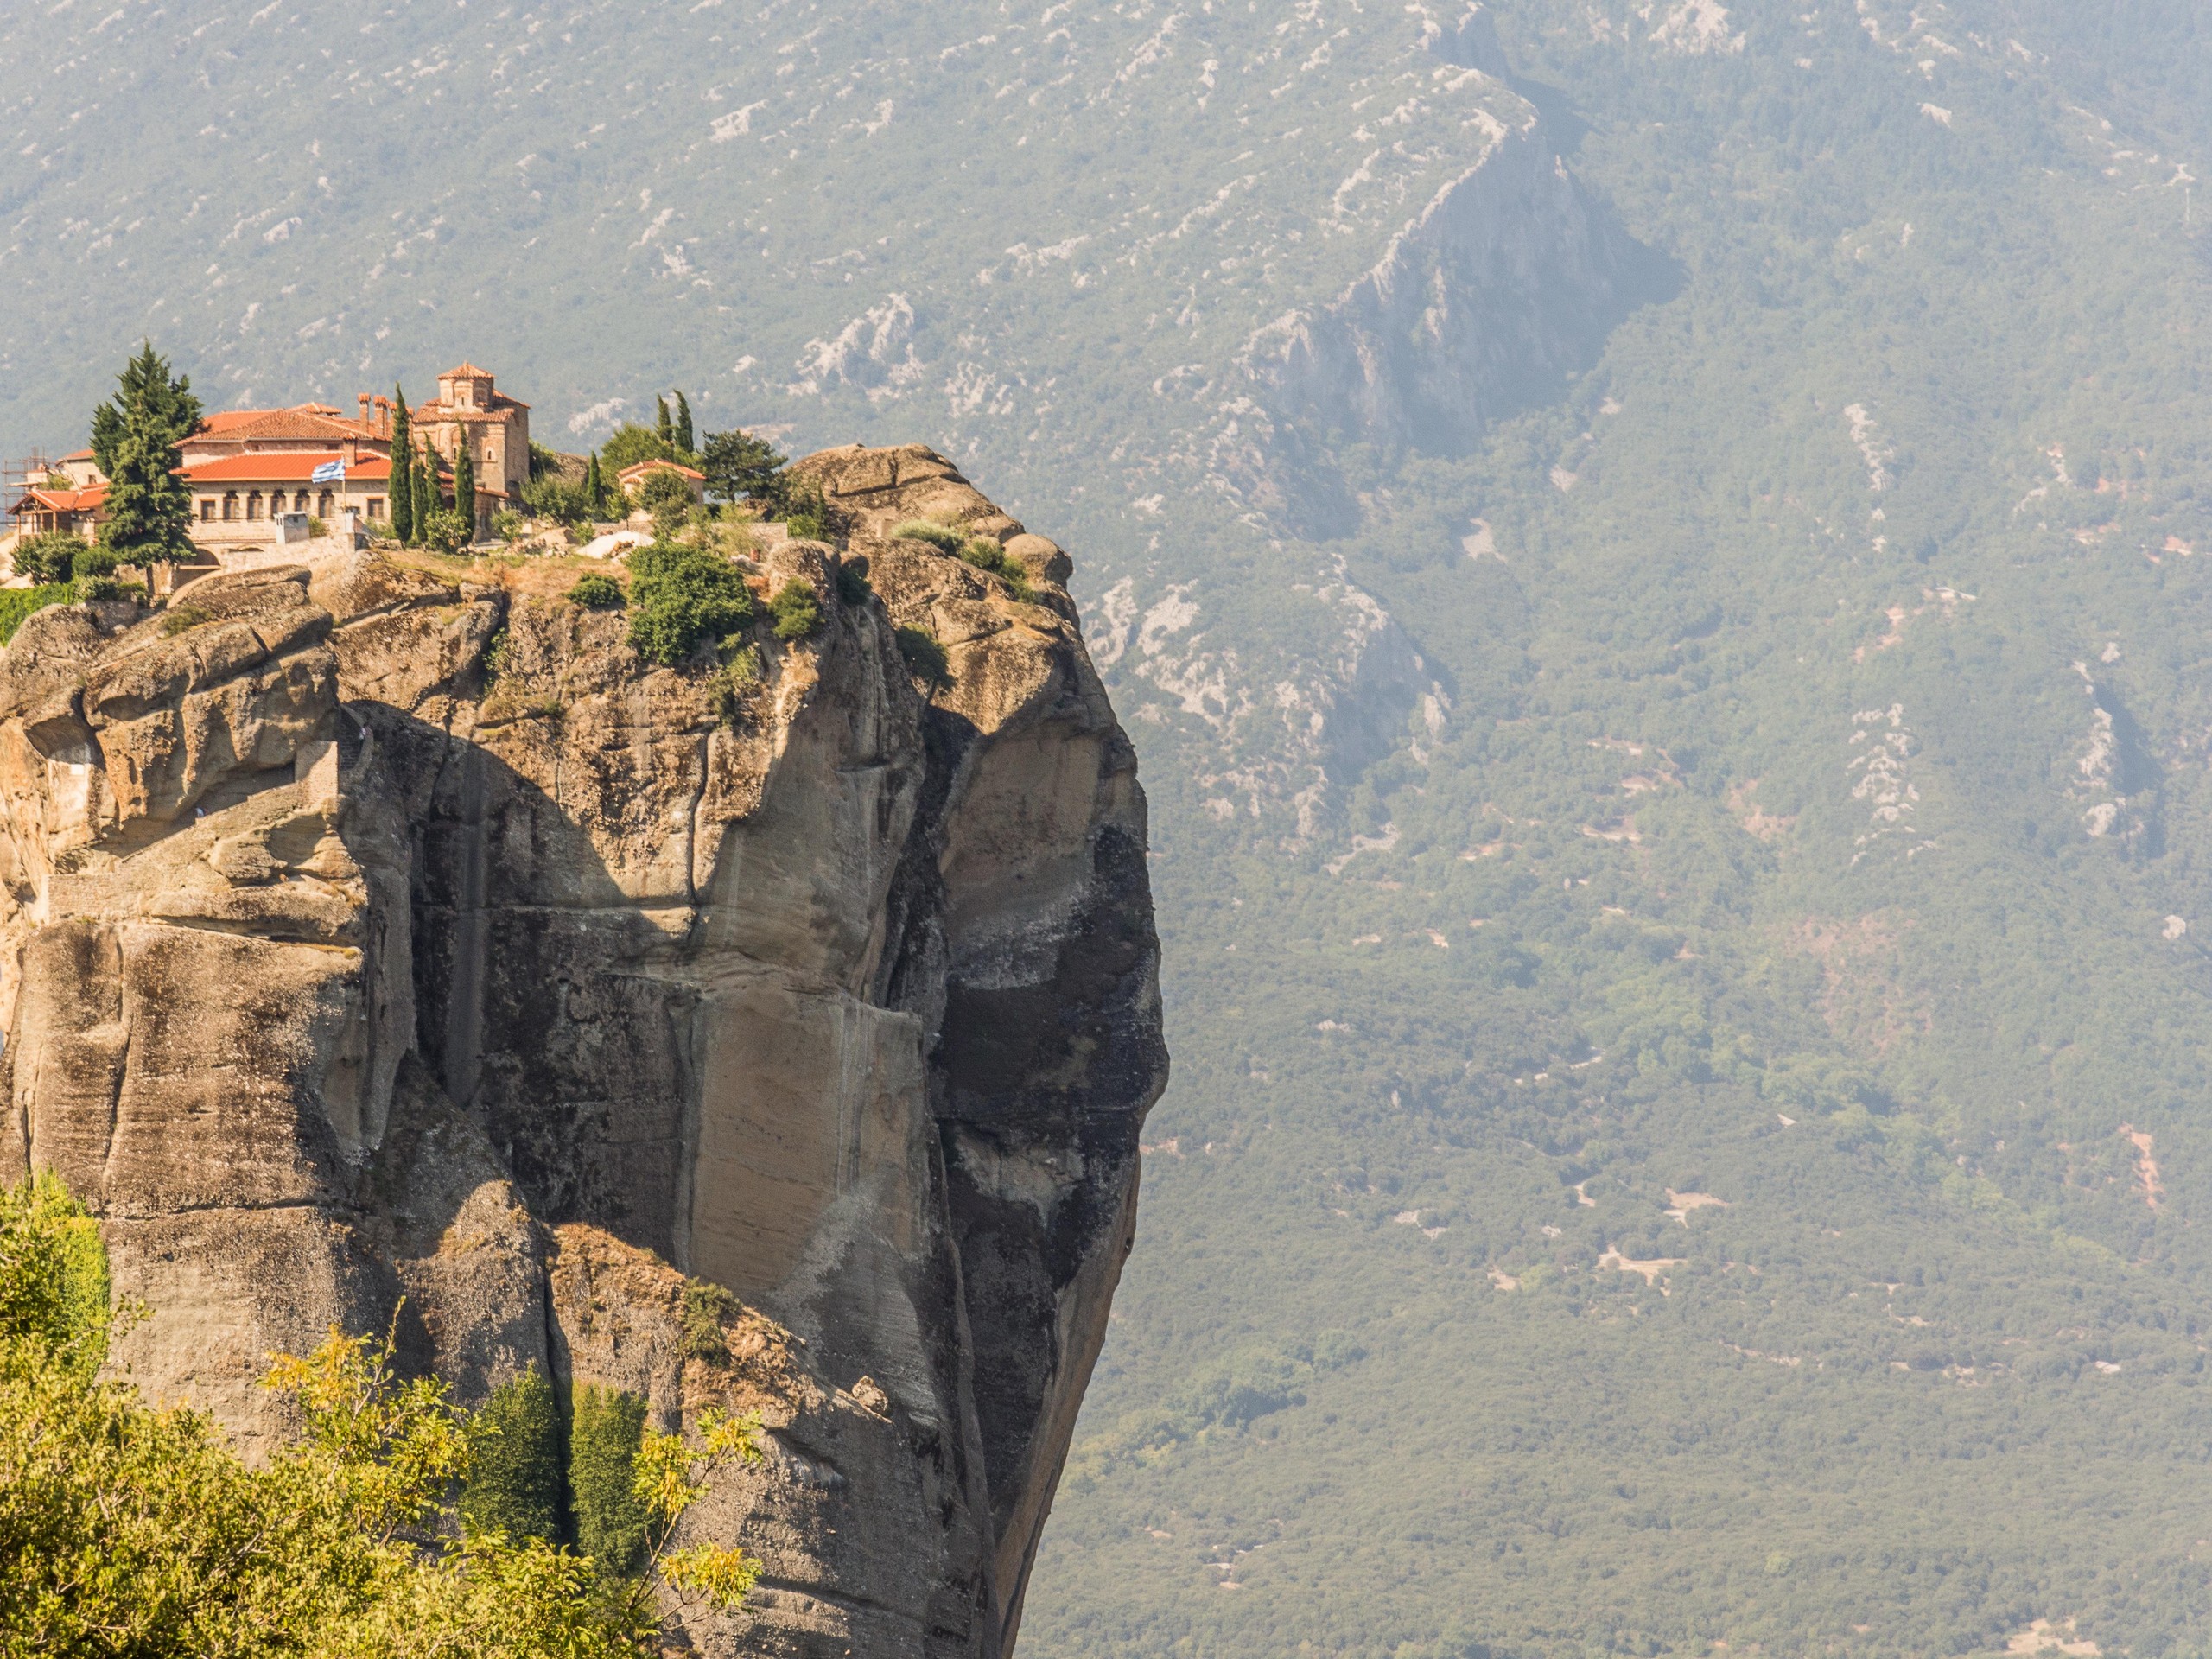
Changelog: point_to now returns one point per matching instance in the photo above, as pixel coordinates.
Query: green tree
(681, 596)
(464, 481)
(427, 499)
(135, 438)
(48, 557)
(606, 1433)
(400, 483)
(630, 444)
(740, 466)
(514, 1476)
(683, 428)
(662, 424)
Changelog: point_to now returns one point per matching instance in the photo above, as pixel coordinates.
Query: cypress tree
(135, 438)
(607, 1427)
(464, 482)
(683, 426)
(514, 1477)
(595, 485)
(399, 486)
(426, 489)
(665, 426)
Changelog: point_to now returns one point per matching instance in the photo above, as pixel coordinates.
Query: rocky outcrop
(377, 944)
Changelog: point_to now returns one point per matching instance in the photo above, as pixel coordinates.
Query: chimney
(383, 416)
(352, 452)
(365, 412)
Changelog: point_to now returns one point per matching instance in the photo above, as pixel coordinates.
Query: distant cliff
(375, 941)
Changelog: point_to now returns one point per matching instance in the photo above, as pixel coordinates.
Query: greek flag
(331, 472)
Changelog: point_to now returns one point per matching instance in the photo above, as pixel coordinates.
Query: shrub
(598, 593)
(707, 1308)
(797, 613)
(551, 496)
(446, 531)
(926, 657)
(92, 587)
(662, 487)
(16, 603)
(53, 1282)
(91, 560)
(607, 1430)
(316, 526)
(680, 595)
(179, 617)
(987, 555)
(941, 537)
(852, 586)
(508, 525)
(50, 556)
(514, 1474)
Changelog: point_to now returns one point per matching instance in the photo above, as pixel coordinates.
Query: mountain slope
(1657, 595)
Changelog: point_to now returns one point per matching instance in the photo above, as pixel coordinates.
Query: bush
(508, 525)
(987, 555)
(514, 1475)
(92, 560)
(797, 613)
(941, 536)
(16, 603)
(53, 1282)
(707, 1308)
(606, 1433)
(316, 526)
(681, 596)
(926, 657)
(448, 531)
(49, 557)
(662, 487)
(852, 586)
(178, 619)
(598, 593)
(551, 496)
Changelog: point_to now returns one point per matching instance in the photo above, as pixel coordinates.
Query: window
(300, 502)
(376, 506)
(206, 509)
(230, 507)
(323, 504)
(253, 504)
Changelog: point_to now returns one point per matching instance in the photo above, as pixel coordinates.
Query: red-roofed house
(41, 509)
(631, 477)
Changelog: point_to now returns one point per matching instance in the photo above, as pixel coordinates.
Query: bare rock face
(372, 941)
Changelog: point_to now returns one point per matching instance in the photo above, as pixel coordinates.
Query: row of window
(212, 508)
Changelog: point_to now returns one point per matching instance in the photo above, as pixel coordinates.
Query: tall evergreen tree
(464, 482)
(594, 485)
(665, 426)
(135, 438)
(400, 485)
(426, 488)
(683, 426)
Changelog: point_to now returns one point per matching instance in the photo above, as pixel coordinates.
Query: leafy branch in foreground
(133, 1531)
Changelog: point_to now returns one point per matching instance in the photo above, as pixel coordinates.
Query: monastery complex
(248, 468)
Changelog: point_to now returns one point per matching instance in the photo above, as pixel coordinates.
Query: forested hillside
(1657, 563)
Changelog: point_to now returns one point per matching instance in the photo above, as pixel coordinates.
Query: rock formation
(378, 945)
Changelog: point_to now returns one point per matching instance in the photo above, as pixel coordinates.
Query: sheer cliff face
(376, 942)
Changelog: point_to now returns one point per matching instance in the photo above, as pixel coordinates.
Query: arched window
(252, 505)
(230, 507)
(300, 502)
(322, 508)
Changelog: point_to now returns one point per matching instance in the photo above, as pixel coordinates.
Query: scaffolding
(16, 478)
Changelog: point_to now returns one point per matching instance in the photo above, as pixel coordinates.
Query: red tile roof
(283, 467)
(657, 466)
(45, 500)
(467, 372)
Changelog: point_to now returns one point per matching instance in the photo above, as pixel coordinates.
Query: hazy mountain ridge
(1722, 736)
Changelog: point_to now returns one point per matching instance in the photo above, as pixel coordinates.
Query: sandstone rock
(349, 964)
